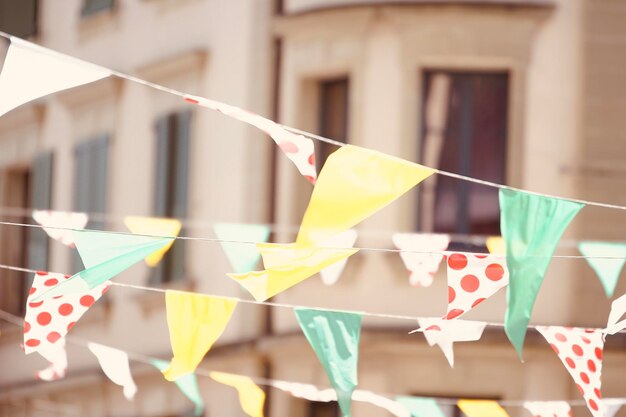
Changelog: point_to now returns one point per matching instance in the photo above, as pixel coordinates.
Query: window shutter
(161, 186)
(41, 196)
(95, 6)
(81, 190)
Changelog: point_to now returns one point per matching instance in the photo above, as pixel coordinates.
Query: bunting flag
(531, 226)
(49, 320)
(472, 279)
(195, 323)
(549, 408)
(618, 309)
(422, 258)
(496, 245)
(421, 407)
(334, 336)
(105, 255)
(612, 406)
(580, 350)
(114, 364)
(67, 221)
(481, 408)
(57, 356)
(444, 333)
(30, 72)
(354, 184)
(243, 257)
(299, 149)
(251, 397)
(286, 266)
(188, 385)
(608, 270)
(156, 227)
(344, 240)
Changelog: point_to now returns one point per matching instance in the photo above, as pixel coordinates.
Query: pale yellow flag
(354, 184)
(496, 245)
(287, 265)
(195, 322)
(155, 227)
(481, 408)
(251, 396)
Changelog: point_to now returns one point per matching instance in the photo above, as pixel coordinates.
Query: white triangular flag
(618, 309)
(114, 364)
(59, 224)
(344, 240)
(421, 255)
(548, 408)
(30, 72)
(57, 356)
(612, 406)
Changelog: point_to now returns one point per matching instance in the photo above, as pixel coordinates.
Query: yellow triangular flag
(156, 227)
(496, 245)
(251, 396)
(353, 184)
(195, 322)
(286, 266)
(481, 408)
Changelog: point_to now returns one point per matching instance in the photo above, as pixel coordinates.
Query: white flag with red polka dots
(47, 321)
(50, 220)
(421, 255)
(472, 278)
(580, 350)
(548, 408)
(57, 356)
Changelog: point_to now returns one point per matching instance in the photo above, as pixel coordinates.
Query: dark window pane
(95, 6)
(464, 123)
(18, 17)
(333, 116)
(320, 409)
(41, 197)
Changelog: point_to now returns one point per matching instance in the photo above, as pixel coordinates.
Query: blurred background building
(530, 93)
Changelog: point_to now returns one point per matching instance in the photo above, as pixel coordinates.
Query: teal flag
(608, 270)
(531, 226)
(421, 407)
(243, 257)
(105, 255)
(334, 336)
(188, 384)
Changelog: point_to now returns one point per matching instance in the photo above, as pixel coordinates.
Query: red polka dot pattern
(422, 267)
(580, 350)
(549, 408)
(474, 278)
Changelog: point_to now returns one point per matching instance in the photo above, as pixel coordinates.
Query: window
(321, 409)
(171, 187)
(41, 198)
(333, 117)
(19, 18)
(91, 7)
(90, 183)
(464, 130)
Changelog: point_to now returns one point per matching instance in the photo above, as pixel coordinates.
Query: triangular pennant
(114, 364)
(195, 323)
(612, 406)
(299, 149)
(286, 266)
(531, 226)
(496, 245)
(156, 227)
(188, 385)
(548, 408)
(243, 257)
(334, 336)
(105, 255)
(344, 240)
(421, 255)
(354, 184)
(608, 270)
(580, 350)
(30, 72)
(251, 397)
(472, 278)
(618, 309)
(421, 407)
(57, 356)
(65, 221)
(481, 408)
(49, 320)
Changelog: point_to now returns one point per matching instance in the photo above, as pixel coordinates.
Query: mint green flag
(105, 255)
(334, 336)
(531, 227)
(242, 256)
(608, 270)
(188, 384)
(420, 407)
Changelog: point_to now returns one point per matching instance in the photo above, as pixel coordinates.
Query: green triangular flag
(531, 227)
(421, 407)
(105, 255)
(188, 384)
(242, 256)
(334, 336)
(608, 270)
